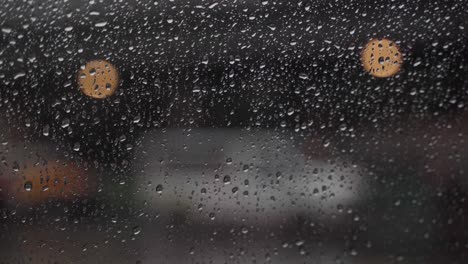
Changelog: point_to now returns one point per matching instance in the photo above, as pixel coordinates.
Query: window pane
(244, 131)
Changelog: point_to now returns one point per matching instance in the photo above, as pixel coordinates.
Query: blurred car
(241, 176)
(35, 173)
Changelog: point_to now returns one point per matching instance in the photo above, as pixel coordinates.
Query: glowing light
(40, 183)
(381, 58)
(98, 79)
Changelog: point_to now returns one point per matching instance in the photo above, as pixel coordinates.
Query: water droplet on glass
(205, 60)
(136, 230)
(19, 75)
(101, 24)
(227, 179)
(45, 130)
(6, 30)
(159, 188)
(212, 216)
(303, 76)
(65, 123)
(28, 186)
(76, 147)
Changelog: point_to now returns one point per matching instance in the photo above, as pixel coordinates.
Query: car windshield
(233, 131)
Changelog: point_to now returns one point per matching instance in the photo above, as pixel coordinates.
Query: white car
(241, 175)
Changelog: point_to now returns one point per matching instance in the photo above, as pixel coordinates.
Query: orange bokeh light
(381, 58)
(35, 183)
(98, 79)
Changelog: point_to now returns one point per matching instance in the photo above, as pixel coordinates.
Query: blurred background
(245, 131)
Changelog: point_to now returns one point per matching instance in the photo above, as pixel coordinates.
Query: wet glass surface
(233, 131)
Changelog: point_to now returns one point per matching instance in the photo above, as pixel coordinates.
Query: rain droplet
(227, 179)
(6, 30)
(205, 60)
(136, 230)
(28, 186)
(65, 123)
(303, 76)
(101, 24)
(19, 75)
(45, 130)
(244, 230)
(159, 188)
(76, 147)
(15, 166)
